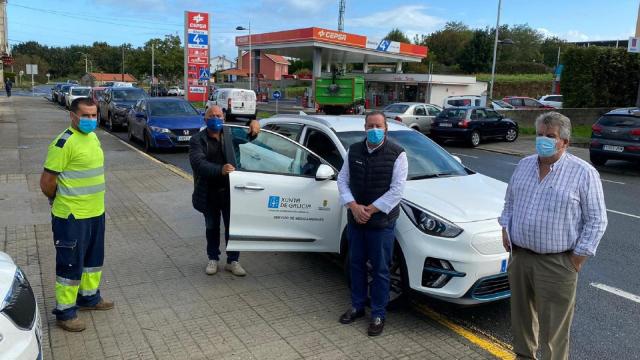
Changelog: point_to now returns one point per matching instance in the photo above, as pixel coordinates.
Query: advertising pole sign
(196, 55)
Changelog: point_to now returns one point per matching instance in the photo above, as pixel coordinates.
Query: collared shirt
(388, 200)
(563, 212)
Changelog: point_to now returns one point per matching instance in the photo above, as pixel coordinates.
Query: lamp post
(86, 61)
(495, 52)
(242, 28)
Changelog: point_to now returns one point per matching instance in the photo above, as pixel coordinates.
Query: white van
(234, 102)
(464, 100)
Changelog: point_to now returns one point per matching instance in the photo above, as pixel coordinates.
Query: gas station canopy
(334, 46)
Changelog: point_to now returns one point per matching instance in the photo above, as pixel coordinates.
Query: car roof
(163, 99)
(634, 111)
(99, 87)
(341, 123)
(123, 88)
(466, 107)
(407, 103)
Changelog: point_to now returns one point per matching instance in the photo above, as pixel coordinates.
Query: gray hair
(554, 118)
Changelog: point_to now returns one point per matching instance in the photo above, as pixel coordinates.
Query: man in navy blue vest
(371, 184)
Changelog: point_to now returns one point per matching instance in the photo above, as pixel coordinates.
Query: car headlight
(159, 129)
(19, 305)
(430, 223)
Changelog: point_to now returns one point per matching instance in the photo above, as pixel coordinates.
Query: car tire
(148, 147)
(474, 138)
(597, 160)
(511, 135)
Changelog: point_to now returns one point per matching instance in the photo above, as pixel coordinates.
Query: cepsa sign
(196, 54)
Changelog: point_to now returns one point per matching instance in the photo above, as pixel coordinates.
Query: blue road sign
(276, 95)
(198, 39)
(204, 74)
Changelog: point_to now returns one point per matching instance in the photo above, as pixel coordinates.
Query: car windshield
(396, 108)
(66, 88)
(80, 92)
(503, 104)
(128, 95)
(98, 93)
(172, 108)
(620, 121)
(426, 159)
(452, 114)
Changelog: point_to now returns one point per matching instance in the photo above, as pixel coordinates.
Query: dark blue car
(164, 122)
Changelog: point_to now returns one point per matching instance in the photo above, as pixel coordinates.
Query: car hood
(124, 103)
(459, 199)
(177, 122)
(7, 272)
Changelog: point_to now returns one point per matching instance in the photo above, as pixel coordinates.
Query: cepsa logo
(198, 21)
(332, 35)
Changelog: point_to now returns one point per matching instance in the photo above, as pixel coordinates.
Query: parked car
(520, 102)
(164, 122)
(158, 91)
(234, 102)
(417, 116)
(76, 92)
(64, 91)
(448, 242)
(20, 325)
(501, 105)
(55, 92)
(616, 135)
(115, 105)
(463, 100)
(175, 91)
(472, 125)
(552, 100)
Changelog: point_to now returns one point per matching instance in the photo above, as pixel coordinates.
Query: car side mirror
(457, 158)
(325, 172)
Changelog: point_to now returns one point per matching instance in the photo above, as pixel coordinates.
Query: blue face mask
(375, 136)
(87, 125)
(214, 124)
(546, 147)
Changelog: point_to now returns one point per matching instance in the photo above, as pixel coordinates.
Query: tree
(447, 44)
(549, 50)
(526, 47)
(397, 35)
(477, 53)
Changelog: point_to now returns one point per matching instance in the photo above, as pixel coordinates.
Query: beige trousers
(543, 297)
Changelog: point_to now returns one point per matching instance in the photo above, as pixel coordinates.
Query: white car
(284, 197)
(76, 92)
(175, 91)
(418, 116)
(464, 100)
(234, 102)
(20, 327)
(552, 100)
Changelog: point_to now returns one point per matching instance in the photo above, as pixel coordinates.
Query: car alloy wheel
(512, 135)
(475, 139)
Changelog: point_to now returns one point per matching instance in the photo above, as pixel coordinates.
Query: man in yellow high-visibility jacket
(73, 180)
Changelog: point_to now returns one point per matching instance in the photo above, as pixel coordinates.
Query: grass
(263, 114)
(198, 104)
(515, 78)
(579, 133)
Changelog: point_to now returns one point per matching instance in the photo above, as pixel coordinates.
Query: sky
(62, 23)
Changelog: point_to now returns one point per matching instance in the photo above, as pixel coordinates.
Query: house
(220, 63)
(271, 67)
(100, 79)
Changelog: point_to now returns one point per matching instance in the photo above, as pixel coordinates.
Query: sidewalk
(166, 307)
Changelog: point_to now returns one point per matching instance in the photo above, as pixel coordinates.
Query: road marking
(616, 291)
(613, 182)
(622, 213)
(489, 344)
(465, 155)
(510, 163)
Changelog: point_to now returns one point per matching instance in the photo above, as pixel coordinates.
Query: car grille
(185, 132)
(491, 288)
(20, 303)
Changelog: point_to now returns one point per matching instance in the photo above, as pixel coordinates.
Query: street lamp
(495, 52)
(86, 60)
(242, 28)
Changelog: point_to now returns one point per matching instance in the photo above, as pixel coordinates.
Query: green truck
(336, 95)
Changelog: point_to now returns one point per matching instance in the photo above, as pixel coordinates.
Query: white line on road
(613, 182)
(616, 291)
(465, 155)
(510, 163)
(622, 213)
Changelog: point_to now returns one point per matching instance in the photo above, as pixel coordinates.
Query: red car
(521, 102)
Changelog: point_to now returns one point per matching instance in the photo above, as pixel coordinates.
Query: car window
(80, 91)
(554, 98)
(318, 142)
(172, 108)
(432, 111)
(419, 111)
(491, 114)
(619, 121)
(291, 131)
(478, 114)
(453, 114)
(515, 102)
(459, 102)
(425, 158)
(531, 103)
(396, 108)
(127, 95)
(271, 153)
(477, 102)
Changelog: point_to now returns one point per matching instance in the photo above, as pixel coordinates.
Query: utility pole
(123, 62)
(341, 8)
(153, 83)
(638, 35)
(495, 53)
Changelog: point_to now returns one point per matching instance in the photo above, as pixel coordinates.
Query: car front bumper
(168, 141)
(20, 344)
(476, 256)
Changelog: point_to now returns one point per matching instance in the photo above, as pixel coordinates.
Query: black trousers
(216, 209)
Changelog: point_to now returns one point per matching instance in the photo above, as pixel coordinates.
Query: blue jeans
(212, 223)
(375, 246)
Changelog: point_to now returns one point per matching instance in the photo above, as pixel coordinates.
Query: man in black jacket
(371, 184)
(211, 170)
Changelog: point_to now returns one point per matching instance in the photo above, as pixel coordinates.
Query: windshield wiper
(431, 176)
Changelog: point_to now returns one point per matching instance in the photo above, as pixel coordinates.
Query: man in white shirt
(371, 184)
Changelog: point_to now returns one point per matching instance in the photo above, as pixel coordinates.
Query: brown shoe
(102, 305)
(73, 325)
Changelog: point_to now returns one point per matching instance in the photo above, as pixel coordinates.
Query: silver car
(418, 116)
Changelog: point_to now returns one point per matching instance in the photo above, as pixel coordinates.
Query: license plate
(445, 125)
(184, 138)
(613, 148)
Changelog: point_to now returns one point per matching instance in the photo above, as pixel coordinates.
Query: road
(605, 323)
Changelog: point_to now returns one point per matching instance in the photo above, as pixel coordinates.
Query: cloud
(411, 19)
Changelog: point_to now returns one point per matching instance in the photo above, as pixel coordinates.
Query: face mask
(87, 125)
(214, 124)
(546, 147)
(375, 136)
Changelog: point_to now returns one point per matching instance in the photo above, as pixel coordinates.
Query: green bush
(293, 91)
(599, 77)
(515, 67)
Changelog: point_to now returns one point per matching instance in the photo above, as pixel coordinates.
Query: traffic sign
(32, 69)
(204, 74)
(276, 95)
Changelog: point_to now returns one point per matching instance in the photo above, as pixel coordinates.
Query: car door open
(283, 197)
